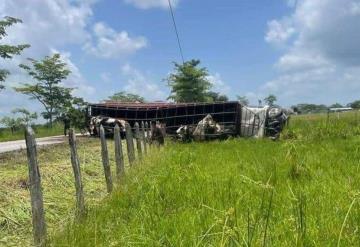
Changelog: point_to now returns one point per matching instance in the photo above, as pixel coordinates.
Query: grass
(300, 191)
(40, 130)
(58, 188)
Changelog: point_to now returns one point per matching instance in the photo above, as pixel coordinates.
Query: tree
(216, 97)
(123, 96)
(336, 105)
(355, 104)
(75, 111)
(8, 51)
(309, 108)
(48, 73)
(26, 117)
(270, 100)
(189, 83)
(243, 100)
(11, 123)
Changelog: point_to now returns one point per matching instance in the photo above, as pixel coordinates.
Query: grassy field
(40, 130)
(58, 186)
(300, 191)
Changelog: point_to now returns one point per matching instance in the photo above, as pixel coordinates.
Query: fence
(227, 114)
(143, 143)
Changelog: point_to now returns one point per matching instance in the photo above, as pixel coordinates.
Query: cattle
(108, 123)
(204, 130)
(158, 132)
(185, 133)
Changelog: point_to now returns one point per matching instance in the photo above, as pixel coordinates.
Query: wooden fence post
(129, 144)
(37, 204)
(105, 160)
(119, 156)
(143, 136)
(138, 140)
(148, 131)
(80, 205)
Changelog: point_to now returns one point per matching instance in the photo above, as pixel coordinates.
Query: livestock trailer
(235, 119)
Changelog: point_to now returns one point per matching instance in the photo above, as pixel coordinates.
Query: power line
(176, 31)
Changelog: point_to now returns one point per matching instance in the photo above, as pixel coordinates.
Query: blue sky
(301, 51)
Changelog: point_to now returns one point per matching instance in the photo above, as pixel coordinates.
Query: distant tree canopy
(270, 100)
(309, 108)
(336, 105)
(189, 82)
(123, 96)
(355, 104)
(216, 97)
(21, 118)
(8, 51)
(25, 117)
(243, 100)
(48, 73)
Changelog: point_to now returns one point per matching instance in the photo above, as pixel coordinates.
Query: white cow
(205, 128)
(107, 122)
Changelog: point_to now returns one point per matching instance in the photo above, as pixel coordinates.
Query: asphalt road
(18, 145)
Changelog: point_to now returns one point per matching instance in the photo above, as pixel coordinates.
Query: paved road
(18, 145)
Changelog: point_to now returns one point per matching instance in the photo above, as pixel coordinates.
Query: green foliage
(243, 100)
(189, 83)
(75, 111)
(217, 97)
(355, 104)
(123, 96)
(310, 108)
(40, 130)
(8, 51)
(10, 122)
(26, 117)
(48, 73)
(336, 105)
(270, 100)
(21, 118)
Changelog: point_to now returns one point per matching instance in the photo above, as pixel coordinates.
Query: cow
(108, 123)
(185, 133)
(205, 128)
(158, 132)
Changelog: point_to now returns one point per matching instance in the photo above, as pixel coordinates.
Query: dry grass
(58, 188)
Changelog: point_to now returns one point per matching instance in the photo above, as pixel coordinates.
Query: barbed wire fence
(141, 136)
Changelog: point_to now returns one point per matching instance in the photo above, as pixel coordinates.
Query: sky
(301, 51)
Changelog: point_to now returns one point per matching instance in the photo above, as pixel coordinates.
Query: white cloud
(147, 4)
(112, 44)
(138, 83)
(322, 59)
(47, 23)
(296, 61)
(279, 31)
(75, 80)
(218, 85)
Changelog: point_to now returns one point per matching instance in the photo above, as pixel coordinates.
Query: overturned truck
(211, 120)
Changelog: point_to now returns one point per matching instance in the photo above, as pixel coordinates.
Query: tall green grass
(58, 188)
(300, 191)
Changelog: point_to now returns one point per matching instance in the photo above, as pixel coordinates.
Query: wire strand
(176, 31)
